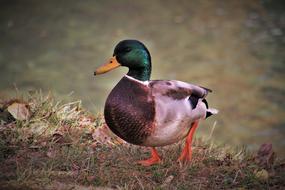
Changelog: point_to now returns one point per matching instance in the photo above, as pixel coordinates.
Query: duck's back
(130, 111)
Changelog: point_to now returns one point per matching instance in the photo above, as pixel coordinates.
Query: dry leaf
(38, 128)
(19, 111)
(105, 136)
(262, 175)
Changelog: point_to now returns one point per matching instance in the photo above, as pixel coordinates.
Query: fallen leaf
(38, 128)
(19, 111)
(103, 135)
(262, 175)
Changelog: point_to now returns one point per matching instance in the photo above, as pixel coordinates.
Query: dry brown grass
(62, 146)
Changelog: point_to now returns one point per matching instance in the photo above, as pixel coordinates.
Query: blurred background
(234, 47)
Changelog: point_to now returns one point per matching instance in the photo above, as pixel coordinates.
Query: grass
(63, 146)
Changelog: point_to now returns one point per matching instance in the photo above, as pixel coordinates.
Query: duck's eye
(127, 49)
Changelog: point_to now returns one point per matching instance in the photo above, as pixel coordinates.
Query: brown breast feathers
(130, 111)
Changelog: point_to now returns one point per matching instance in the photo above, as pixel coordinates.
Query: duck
(152, 113)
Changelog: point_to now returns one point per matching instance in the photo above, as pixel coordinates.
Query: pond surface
(235, 48)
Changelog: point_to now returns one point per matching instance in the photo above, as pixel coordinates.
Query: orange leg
(153, 160)
(186, 154)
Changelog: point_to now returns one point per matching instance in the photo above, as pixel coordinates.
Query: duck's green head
(132, 54)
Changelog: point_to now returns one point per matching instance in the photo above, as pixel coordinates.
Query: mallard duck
(152, 113)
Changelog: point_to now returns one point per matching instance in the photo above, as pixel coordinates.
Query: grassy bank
(55, 145)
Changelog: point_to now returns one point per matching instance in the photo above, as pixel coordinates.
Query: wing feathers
(177, 89)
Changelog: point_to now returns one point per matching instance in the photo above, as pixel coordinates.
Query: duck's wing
(177, 89)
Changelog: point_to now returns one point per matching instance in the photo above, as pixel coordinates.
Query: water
(235, 48)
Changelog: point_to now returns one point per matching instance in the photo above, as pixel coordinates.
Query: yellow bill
(112, 64)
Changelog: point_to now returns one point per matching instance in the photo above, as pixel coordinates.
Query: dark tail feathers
(209, 111)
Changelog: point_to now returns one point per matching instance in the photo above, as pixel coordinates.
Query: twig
(236, 176)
